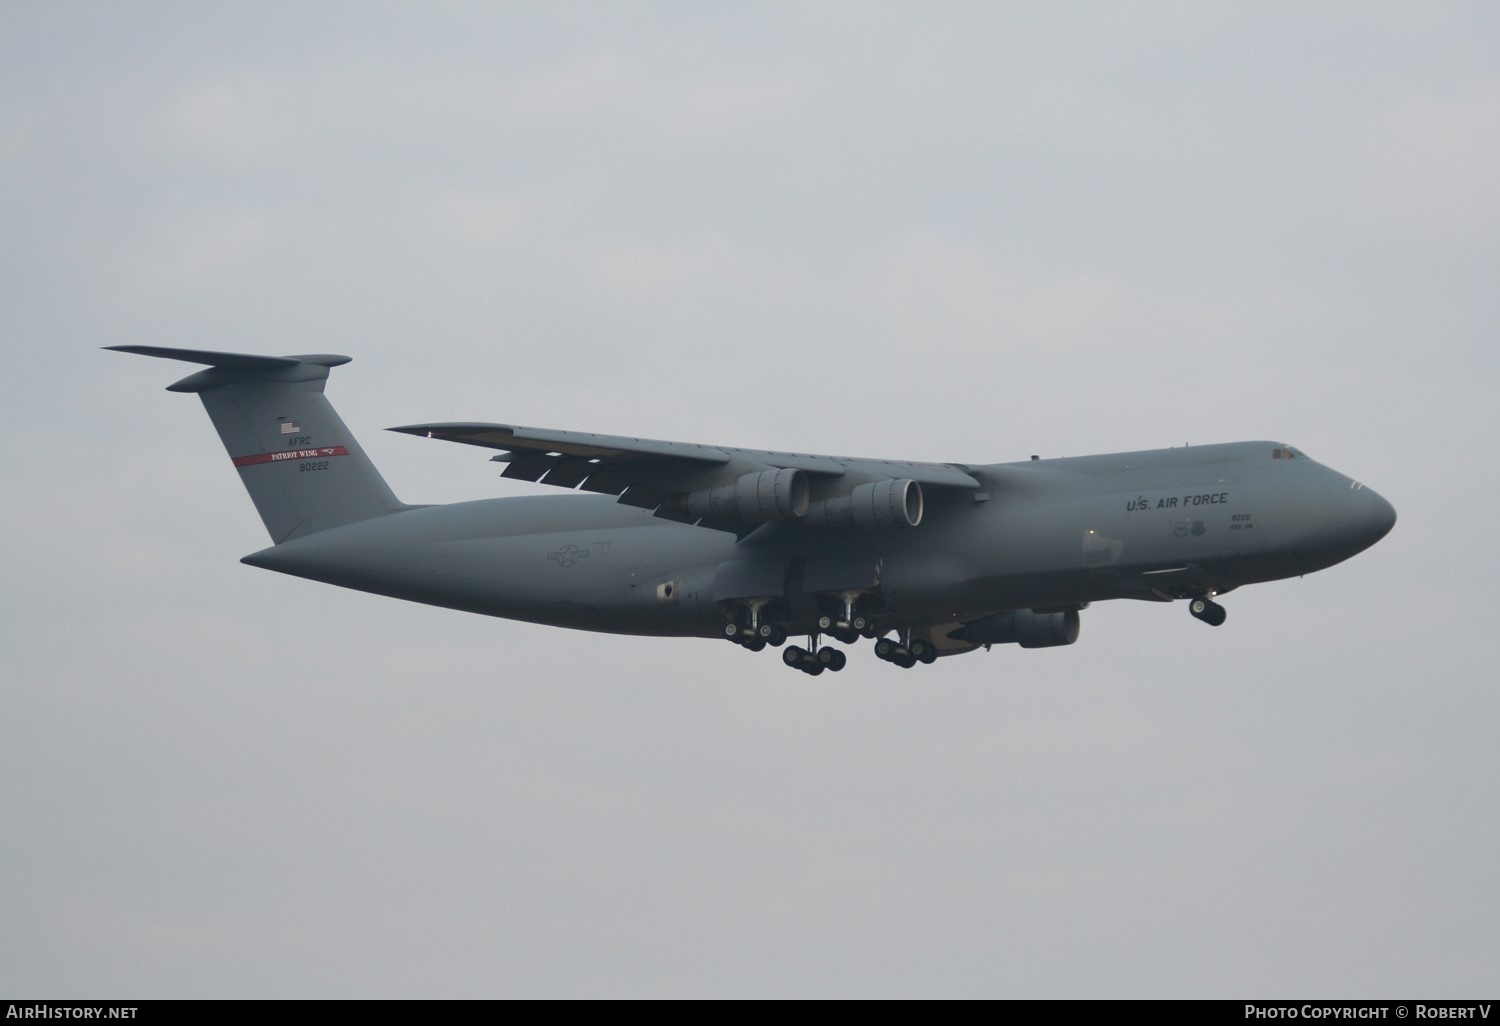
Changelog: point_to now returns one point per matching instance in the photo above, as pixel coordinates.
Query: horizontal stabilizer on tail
(225, 368)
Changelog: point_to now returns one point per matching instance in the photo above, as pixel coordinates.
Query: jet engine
(1026, 627)
(769, 495)
(877, 506)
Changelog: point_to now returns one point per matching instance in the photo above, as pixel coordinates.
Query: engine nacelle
(1026, 627)
(877, 506)
(769, 495)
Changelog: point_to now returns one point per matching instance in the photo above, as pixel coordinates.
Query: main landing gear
(1209, 611)
(907, 655)
(814, 662)
(754, 624)
(755, 637)
(754, 630)
(849, 625)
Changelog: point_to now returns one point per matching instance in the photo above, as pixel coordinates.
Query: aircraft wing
(715, 486)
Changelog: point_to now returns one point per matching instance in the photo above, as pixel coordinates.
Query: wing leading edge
(721, 487)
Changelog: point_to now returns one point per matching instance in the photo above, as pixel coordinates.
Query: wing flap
(529, 467)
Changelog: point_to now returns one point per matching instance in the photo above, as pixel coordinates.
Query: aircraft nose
(1352, 519)
(1381, 516)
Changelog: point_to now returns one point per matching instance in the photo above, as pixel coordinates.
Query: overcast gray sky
(954, 231)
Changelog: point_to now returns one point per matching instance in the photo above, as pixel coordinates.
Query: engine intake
(1026, 627)
(877, 506)
(769, 495)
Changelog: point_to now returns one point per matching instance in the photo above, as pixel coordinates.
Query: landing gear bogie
(852, 629)
(905, 656)
(750, 625)
(844, 618)
(923, 651)
(813, 663)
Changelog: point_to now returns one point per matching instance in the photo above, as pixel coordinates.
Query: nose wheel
(1209, 611)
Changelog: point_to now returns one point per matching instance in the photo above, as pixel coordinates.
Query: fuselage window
(1283, 454)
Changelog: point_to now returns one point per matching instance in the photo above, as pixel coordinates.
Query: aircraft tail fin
(303, 469)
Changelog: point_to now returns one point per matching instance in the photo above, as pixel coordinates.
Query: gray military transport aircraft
(688, 540)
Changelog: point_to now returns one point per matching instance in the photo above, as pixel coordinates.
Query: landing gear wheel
(825, 623)
(925, 652)
(755, 644)
(832, 658)
(732, 631)
(793, 655)
(777, 637)
(894, 652)
(1208, 611)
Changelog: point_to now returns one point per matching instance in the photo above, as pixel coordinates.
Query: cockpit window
(1283, 454)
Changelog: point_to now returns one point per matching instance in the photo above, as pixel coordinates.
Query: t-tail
(303, 469)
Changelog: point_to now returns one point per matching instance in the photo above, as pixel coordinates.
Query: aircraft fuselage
(1153, 525)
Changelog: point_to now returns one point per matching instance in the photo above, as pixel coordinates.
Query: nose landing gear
(1209, 611)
